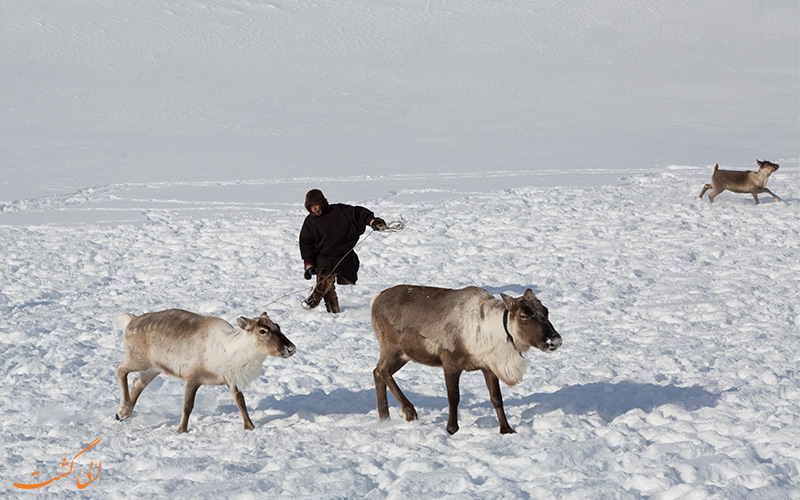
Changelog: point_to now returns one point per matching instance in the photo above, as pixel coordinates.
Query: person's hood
(315, 197)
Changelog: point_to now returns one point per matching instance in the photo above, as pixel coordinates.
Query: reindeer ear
(263, 320)
(509, 302)
(244, 323)
(529, 296)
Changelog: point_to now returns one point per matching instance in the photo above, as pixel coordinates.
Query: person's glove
(311, 270)
(378, 224)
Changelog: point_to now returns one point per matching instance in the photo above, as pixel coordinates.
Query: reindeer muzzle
(552, 343)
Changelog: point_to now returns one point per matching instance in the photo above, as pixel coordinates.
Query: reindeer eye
(263, 331)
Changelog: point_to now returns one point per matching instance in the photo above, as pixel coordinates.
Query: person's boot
(332, 300)
(311, 302)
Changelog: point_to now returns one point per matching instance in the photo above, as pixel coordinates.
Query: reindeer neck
(505, 327)
(763, 174)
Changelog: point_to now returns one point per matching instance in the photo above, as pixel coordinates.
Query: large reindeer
(459, 330)
(198, 349)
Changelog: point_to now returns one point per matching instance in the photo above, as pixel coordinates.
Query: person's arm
(365, 217)
(307, 250)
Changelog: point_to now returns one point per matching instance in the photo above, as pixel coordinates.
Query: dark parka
(327, 238)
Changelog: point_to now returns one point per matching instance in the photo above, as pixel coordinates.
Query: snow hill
(155, 154)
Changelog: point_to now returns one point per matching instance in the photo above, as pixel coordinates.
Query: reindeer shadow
(609, 401)
(320, 403)
(513, 290)
(317, 403)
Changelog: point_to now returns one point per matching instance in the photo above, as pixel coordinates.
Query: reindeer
(459, 330)
(741, 181)
(198, 349)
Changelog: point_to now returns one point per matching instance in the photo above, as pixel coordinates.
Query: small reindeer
(741, 181)
(200, 350)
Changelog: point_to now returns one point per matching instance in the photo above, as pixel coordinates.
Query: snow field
(677, 377)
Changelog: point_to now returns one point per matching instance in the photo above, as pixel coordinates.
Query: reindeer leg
(129, 399)
(125, 407)
(755, 195)
(493, 383)
(451, 379)
(383, 378)
(776, 197)
(705, 188)
(380, 390)
(188, 404)
(140, 383)
(239, 397)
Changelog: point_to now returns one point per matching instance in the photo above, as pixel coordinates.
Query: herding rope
(391, 227)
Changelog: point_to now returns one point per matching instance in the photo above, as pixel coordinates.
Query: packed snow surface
(155, 154)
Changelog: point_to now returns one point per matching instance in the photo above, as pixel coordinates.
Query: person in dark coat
(328, 236)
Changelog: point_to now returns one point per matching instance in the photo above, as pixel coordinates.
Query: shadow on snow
(610, 401)
(607, 400)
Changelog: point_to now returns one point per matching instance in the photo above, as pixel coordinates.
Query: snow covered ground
(678, 376)
(155, 154)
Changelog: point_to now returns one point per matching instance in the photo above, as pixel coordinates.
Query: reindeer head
(268, 335)
(529, 323)
(768, 165)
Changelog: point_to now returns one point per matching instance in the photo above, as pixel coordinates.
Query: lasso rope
(390, 227)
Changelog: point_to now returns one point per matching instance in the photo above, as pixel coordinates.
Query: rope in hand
(393, 227)
(390, 227)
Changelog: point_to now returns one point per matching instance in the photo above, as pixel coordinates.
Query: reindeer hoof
(383, 414)
(507, 430)
(452, 429)
(410, 414)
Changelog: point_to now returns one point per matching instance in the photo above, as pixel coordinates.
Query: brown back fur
(459, 330)
(741, 181)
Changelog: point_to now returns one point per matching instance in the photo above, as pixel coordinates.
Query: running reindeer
(738, 181)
